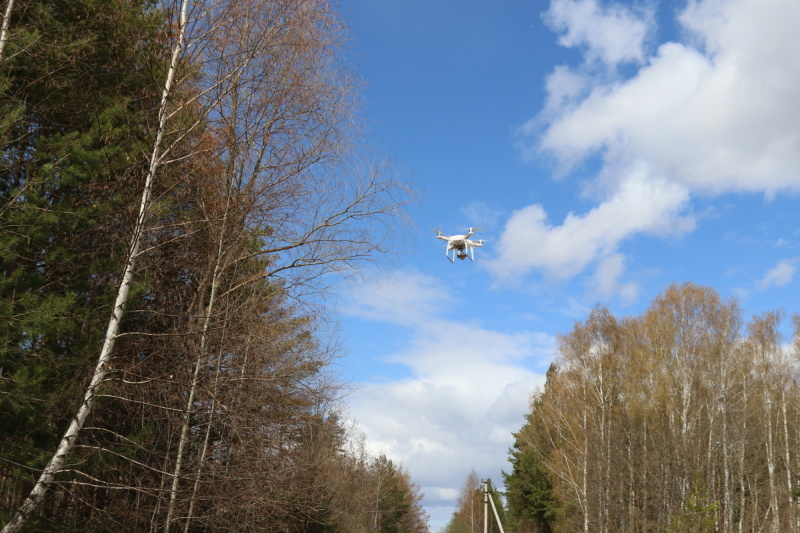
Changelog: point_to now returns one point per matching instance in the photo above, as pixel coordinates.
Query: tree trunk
(209, 310)
(788, 460)
(4, 27)
(33, 502)
(770, 445)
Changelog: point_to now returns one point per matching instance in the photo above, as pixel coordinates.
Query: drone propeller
(473, 230)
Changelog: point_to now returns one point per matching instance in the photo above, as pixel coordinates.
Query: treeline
(180, 182)
(681, 419)
(473, 511)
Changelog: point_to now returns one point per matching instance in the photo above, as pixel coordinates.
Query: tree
(529, 489)
(698, 513)
(253, 195)
(468, 516)
(471, 507)
(33, 502)
(672, 420)
(66, 183)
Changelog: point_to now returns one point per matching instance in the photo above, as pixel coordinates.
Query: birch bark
(4, 27)
(34, 500)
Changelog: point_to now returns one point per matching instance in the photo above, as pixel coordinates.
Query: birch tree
(256, 191)
(5, 25)
(292, 199)
(32, 503)
(675, 420)
(66, 166)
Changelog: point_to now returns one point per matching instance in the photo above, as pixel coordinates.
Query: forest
(682, 419)
(183, 183)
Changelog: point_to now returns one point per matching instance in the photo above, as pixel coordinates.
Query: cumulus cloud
(642, 204)
(468, 391)
(712, 114)
(564, 86)
(717, 118)
(610, 33)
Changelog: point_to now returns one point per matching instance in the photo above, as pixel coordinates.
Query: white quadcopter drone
(461, 245)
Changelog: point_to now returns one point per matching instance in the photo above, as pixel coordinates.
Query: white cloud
(563, 86)
(611, 33)
(468, 391)
(778, 276)
(715, 113)
(606, 280)
(718, 119)
(402, 298)
(641, 204)
(480, 214)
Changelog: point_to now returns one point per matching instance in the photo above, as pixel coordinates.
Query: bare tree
(256, 114)
(290, 199)
(469, 504)
(671, 420)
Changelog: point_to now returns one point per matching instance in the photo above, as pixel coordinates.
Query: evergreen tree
(215, 407)
(529, 490)
(76, 101)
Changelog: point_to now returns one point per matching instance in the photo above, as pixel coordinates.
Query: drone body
(461, 245)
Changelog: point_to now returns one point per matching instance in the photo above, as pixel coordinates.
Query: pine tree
(529, 488)
(213, 409)
(76, 101)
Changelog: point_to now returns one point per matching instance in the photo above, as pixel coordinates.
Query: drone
(461, 245)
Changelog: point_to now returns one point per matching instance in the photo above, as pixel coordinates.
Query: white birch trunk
(742, 441)
(787, 458)
(4, 27)
(686, 399)
(585, 481)
(773, 489)
(645, 480)
(34, 500)
(605, 447)
(198, 364)
(203, 341)
(726, 472)
(200, 463)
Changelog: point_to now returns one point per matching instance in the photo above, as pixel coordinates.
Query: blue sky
(607, 149)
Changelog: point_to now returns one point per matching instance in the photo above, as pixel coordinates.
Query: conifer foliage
(197, 162)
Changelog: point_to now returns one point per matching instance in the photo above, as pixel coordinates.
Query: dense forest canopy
(178, 182)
